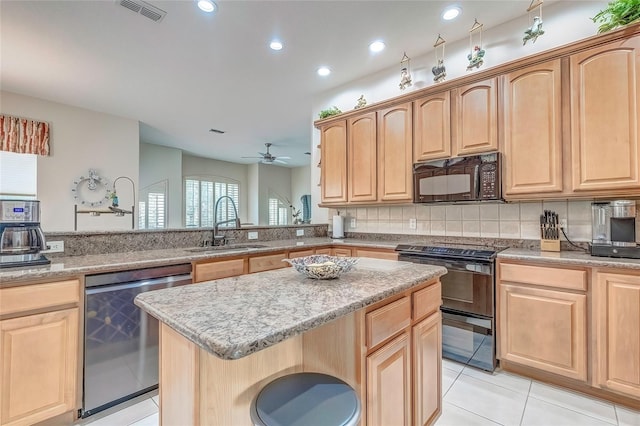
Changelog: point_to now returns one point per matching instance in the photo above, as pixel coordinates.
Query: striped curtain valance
(24, 136)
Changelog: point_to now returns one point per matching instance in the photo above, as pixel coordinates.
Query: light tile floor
(470, 397)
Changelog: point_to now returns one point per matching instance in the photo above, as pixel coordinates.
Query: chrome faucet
(217, 224)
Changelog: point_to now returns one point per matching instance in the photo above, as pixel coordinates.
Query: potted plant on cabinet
(618, 13)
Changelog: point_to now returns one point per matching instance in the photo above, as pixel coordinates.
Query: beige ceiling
(192, 71)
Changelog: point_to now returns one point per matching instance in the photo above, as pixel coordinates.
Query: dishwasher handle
(158, 283)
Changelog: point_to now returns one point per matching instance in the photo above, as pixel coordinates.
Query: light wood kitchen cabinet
(267, 262)
(427, 361)
(362, 159)
(341, 252)
(617, 315)
(301, 253)
(432, 127)
(388, 254)
(389, 384)
(532, 128)
(333, 166)
(605, 118)
(543, 319)
(39, 370)
(404, 359)
(395, 153)
(326, 250)
(216, 269)
(474, 116)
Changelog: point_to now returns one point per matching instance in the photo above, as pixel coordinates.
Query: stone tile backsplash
(506, 220)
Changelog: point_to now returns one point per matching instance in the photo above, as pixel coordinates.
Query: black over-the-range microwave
(472, 178)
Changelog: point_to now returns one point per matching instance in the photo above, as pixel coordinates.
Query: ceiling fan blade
(251, 157)
(280, 161)
(284, 158)
(263, 153)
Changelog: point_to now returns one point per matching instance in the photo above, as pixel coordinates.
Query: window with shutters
(278, 211)
(202, 193)
(18, 175)
(152, 208)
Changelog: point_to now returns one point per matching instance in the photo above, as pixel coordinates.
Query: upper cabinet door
(333, 149)
(532, 129)
(605, 90)
(432, 127)
(362, 158)
(395, 154)
(475, 118)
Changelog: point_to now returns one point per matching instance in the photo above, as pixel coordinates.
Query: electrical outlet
(353, 222)
(299, 232)
(54, 247)
(252, 235)
(413, 224)
(563, 223)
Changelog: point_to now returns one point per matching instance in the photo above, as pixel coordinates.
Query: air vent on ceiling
(144, 9)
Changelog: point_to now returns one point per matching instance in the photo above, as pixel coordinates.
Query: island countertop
(234, 317)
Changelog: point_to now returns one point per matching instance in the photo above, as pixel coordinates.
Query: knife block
(549, 245)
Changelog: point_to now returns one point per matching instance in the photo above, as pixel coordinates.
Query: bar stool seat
(306, 399)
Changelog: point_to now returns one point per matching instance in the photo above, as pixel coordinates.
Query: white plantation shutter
(201, 194)
(152, 208)
(278, 212)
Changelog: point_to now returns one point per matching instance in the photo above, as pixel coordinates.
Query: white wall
(253, 192)
(272, 180)
(564, 22)
(80, 139)
(159, 163)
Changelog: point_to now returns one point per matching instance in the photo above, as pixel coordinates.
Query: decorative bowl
(322, 267)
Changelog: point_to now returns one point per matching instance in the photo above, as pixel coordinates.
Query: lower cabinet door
(544, 329)
(389, 384)
(427, 369)
(38, 366)
(618, 342)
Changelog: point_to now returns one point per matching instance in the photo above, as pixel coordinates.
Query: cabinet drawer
(342, 252)
(388, 320)
(300, 253)
(376, 254)
(38, 296)
(327, 251)
(426, 301)
(217, 270)
(570, 279)
(266, 263)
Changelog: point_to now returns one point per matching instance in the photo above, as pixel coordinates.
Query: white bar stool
(306, 399)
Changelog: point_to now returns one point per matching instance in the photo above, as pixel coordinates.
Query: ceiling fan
(268, 158)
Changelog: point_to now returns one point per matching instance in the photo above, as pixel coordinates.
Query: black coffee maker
(614, 229)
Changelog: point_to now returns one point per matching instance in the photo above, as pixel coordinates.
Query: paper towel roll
(338, 227)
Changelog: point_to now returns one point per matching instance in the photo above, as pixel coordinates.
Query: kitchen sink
(229, 247)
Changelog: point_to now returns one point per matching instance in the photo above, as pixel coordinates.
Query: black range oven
(468, 299)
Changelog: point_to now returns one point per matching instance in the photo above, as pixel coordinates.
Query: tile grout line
(496, 384)
(579, 412)
(526, 401)
(475, 414)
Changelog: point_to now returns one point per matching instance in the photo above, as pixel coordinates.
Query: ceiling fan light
(207, 6)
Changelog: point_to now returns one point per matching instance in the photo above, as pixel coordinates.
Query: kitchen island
(377, 327)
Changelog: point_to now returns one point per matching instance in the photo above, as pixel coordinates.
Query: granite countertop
(234, 317)
(91, 264)
(569, 258)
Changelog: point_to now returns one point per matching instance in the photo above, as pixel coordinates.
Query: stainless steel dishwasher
(121, 340)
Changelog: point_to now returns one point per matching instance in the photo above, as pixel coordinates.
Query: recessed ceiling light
(207, 5)
(324, 71)
(451, 13)
(275, 45)
(377, 46)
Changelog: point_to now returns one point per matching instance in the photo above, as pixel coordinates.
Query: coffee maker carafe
(21, 239)
(614, 229)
